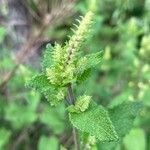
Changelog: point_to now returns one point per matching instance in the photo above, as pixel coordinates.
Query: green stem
(72, 101)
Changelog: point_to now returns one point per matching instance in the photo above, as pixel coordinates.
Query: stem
(72, 101)
(75, 138)
(70, 94)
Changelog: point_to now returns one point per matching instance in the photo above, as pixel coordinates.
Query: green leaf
(53, 94)
(88, 142)
(4, 138)
(19, 115)
(39, 82)
(136, 139)
(33, 99)
(85, 64)
(46, 143)
(47, 57)
(93, 59)
(81, 104)
(89, 61)
(109, 146)
(95, 121)
(123, 116)
(53, 118)
(82, 77)
(145, 96)
(62, 148)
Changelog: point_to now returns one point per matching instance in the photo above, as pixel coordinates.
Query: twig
(72, 100)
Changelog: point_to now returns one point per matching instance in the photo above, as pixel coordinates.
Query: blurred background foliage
(122, 31)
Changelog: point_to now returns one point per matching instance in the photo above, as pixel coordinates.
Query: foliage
(106, 61)
(98, 125)
(4, 138)
(66, 66)
(46, 143)
(123, 116)
(137, 138)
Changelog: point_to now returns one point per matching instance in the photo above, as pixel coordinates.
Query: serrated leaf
(93, 59)
(39, 82)
(83, 76)
(47, 57)
(85, 64)
(95, 121)
(123, 116)
(53, 94)
(81, 104)
(89, 61)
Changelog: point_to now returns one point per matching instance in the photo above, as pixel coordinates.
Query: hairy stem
(70, 94)
(72, 101)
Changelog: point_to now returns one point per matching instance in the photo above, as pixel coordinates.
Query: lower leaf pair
(106, 125)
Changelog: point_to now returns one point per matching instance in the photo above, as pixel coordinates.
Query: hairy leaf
(95, 121)
(85, 64)
(82, 77)
(89, 61)
(93, 59)
(53, 94)
(47, 58)
(123, 116)
(81, 104)
(39, 82)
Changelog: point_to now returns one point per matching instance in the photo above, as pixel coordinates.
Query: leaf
(108, 146)
(85, 64)
(93, 59)
(123, 116)
(89, 61)
(136, 139)
(33, 99)
(4, 138)
(41, 83)
(145, 95)
(62, 148)
(95, 121)
(22, 115)
(83, 76)
(53, 118)
(89, 142)
(81, 104)
(46, 143)
(47, 57)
